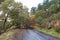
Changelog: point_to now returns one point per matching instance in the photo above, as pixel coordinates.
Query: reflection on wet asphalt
(31, 35)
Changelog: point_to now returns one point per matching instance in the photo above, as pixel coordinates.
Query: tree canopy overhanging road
(45, 17)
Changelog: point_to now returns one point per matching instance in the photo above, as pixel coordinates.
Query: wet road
(31, 35)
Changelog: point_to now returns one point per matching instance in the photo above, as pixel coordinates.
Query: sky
(30, 3)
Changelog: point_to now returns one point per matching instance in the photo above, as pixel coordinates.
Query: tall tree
(15, 11)
(33, 10)
(5, 10)
(39, 6)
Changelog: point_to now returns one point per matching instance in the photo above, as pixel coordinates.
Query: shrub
(57, 29)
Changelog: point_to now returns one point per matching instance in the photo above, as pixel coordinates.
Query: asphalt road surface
(28, 34)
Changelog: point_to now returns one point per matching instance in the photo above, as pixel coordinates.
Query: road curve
(28, 34)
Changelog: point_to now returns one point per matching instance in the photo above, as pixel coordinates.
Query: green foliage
(1, 1)
(39, 7)
(47, 13)
(39, 19)
(16, 13)
(55, 16)
(33, 10)
(41, 13)
(57, 29)
(53, 8)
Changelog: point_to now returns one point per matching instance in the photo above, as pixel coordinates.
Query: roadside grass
(0, 38)
(5, 36)
(51, 31)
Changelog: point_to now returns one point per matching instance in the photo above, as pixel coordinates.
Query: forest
(45, 17)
